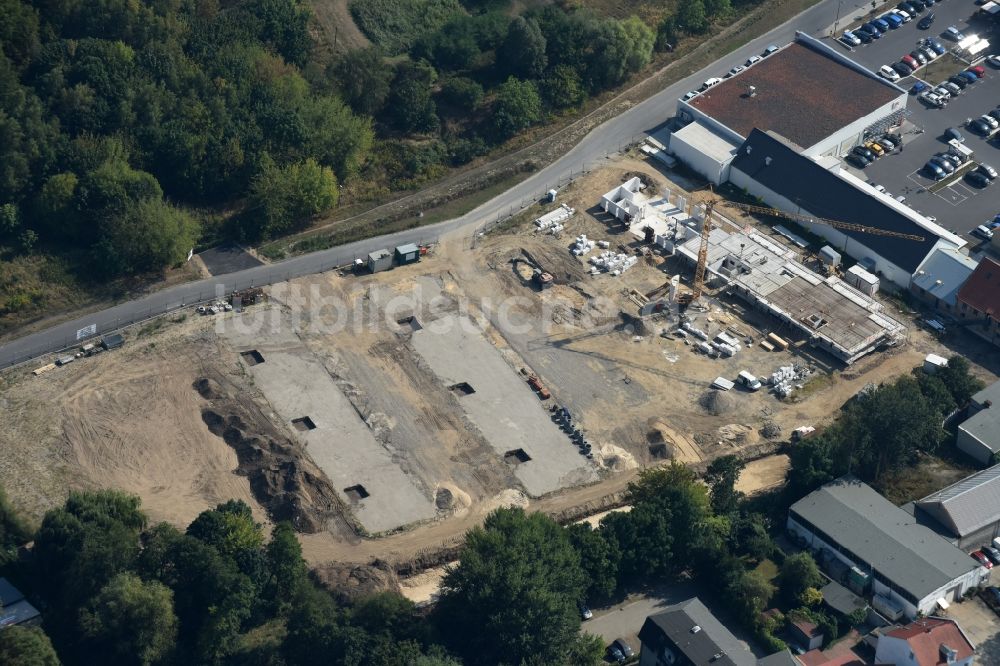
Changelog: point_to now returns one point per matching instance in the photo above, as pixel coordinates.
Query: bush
(395, 24)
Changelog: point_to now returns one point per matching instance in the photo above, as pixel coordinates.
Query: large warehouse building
(968, 512)
(773, 170)
(910, 569)
(808, 93)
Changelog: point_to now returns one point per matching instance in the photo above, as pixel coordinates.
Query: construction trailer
(379, 260)
(407, 254)
(113, 341)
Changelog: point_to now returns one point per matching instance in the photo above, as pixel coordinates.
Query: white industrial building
(768, 167)
(704, 150)
(910, 569)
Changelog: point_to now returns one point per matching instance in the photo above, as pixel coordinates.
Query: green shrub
(394, 25)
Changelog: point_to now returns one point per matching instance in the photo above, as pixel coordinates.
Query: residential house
(979, 301)
(979, 434)
(925, 642)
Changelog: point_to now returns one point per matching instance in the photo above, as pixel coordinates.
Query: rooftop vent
(767, 161)
(695, 629)
(751, 91)
(717, 656)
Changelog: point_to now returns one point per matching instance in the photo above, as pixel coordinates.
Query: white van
(714, 81)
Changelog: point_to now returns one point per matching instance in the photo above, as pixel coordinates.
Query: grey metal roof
(8, 593)
(780, 168)
(944, 273)
(408, 248)
(984, 425)
(840, 599)
(17, 613)
(783, 658)
(677, 623)
(991, 393)
(969, 505)
(883, 536)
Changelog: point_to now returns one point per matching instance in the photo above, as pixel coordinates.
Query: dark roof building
(979, 300)
(14, 608)
(802, 92)
(771, 168)
(688, 631)
(840, 599)
(910, 566)
(967, 511)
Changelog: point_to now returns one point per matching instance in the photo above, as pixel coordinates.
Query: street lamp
(836, 22)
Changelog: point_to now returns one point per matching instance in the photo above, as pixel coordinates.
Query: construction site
(386, 413)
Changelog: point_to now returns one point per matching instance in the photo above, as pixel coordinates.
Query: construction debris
(611, 262)
(785, 379)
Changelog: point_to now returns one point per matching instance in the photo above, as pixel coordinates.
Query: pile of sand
(717, 403)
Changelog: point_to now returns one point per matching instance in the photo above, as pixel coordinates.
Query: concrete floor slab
(501, 404)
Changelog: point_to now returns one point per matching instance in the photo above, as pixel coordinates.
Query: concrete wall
(691, 155)
(838, 240)
(973, 446)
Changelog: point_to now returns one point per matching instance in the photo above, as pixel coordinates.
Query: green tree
(463, 93)
(149, 235)
(523, 50)
(751, 595)
(336, 138)
(562, 87)
(285, 565)
(131, 621)
(26, 646)
(957, 377)
(600, 559)
(798, 573)
(285, 25)
(717, 8)
(692, 16)
(10, 219)
(283, 198)
(721, 476)
(513, 596)
(363, 79)
(411, 107)
(14, 531)
(229, 527)
(639, 41)
(516, 107)
(84, 544)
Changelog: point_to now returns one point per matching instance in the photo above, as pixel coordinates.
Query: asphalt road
(601, 142)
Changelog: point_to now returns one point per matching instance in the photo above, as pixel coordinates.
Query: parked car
(978, 70)
(979, 180)
(954, 34)
(882, 24)
(751, 60)
(875, 148)
(937, 46)
(942, 92)
(864, 152)
(872, 29)
(954, 159)
(994, 114)
(894, 20)
(850, 39)
(918, 88)
(689, 95)
(926, 22)
(933, 99)
(918, 56)
(992, 553)
(959, 81)
(953, 134)
(983, 232)
(968, 76)
(893, 141)
(865, 37)
(952, 88)
(714, 81)
(991, 596)
(857, 161)
(991, 121)
(911, 61)
(769, 50)
(929, 52)
(888, 72)
(980, 126)
(993, 60)
(934, 170)
(585, 613)
(902, 68)
(945, 165)
(982, 559)
(903, 15)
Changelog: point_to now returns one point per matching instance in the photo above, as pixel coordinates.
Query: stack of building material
(614, 263)
(784, 378)
(582, 246)
(560, 214)
(694, 330)
(555, 228)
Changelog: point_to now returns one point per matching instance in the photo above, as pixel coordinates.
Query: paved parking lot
(958, 206)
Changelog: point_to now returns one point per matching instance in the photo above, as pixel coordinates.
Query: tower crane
(706, 228)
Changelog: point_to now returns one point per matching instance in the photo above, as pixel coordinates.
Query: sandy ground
(338, 25)
(130, 418)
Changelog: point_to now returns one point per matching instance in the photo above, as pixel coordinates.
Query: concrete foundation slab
(501, 405)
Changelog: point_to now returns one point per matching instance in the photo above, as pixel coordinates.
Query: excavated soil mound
(716, 402)
(350, 582)
(208, 389)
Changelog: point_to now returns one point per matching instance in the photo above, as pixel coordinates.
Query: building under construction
(833, 315)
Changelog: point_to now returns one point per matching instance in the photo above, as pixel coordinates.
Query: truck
(536, 385)
(748, 380)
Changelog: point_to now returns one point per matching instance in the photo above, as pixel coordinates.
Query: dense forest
(132, 131)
